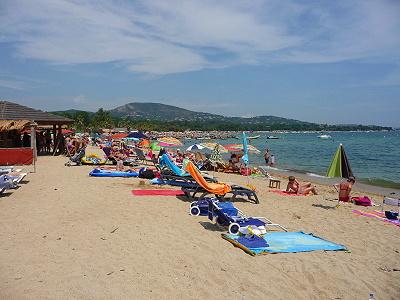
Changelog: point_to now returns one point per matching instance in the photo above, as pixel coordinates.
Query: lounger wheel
(194, 211)
(234, 228)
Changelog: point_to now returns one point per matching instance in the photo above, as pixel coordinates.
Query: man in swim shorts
(344, 189)
(294, 187)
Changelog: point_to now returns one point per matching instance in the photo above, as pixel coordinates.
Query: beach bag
(245, 171)
(362, 201)
(147, 174)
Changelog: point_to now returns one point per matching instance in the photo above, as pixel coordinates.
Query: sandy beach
(65, 235)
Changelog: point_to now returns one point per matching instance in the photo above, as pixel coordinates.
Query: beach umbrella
(195, 147)
(155, 146)
(340, 166)
(119, 136)
(212, 146)
(138, 135)
(216, 154)
(171, 141)
(239, 147)
(245, 157)
(144, 143)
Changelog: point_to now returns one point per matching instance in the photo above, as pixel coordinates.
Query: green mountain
(176, 118)
(159, 112)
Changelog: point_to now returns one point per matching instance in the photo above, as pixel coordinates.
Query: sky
(335, 62)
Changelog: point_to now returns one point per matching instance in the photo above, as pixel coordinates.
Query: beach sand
(65, 235)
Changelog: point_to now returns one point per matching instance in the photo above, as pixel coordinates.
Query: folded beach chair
(219, 189)
(239, 223)
(170, 172)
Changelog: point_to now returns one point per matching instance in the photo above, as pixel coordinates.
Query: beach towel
(377, 215)
(284, 193)
(157, 193)
(106, 173)
(283, 242)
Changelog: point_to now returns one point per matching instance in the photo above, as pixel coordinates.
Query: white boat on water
(272, 137)
(324, 136)
(253, 137)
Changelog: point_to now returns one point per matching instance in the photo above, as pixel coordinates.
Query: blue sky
(322, 61)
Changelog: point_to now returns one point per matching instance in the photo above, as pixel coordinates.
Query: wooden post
(33, 144)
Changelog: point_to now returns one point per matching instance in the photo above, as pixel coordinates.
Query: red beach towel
(284, 193)
(157, 193)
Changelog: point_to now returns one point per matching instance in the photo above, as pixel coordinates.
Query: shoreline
(359, 186)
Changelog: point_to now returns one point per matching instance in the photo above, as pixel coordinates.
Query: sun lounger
(6, 183)
(239, 223)
(219, 189)
(170, 172)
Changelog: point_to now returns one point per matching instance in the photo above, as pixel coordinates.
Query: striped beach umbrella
(239, 147)
(212, 146)
(195, 147)
(340, 166)
(171, 141)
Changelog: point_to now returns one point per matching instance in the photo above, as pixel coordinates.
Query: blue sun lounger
(176, 176)
(107, 173)
(6, 183)
(236, 222)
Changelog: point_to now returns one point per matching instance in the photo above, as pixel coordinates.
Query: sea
(374, 156)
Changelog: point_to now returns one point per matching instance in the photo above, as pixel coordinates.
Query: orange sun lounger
(219, 189)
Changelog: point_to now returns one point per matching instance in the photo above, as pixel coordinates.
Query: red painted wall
(16, 156)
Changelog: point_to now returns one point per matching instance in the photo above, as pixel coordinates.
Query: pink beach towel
(284, 193)
(157, 193)
(377, 215)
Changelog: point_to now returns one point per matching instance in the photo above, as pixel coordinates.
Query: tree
(102, 119)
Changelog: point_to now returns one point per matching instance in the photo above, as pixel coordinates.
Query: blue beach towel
(285, 242)
(107, 173)
(252, 241)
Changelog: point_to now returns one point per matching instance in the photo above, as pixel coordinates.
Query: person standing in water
(267, 156)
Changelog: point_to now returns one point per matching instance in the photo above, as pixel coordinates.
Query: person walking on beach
(267, 156)
(294, 187)
(344, 189)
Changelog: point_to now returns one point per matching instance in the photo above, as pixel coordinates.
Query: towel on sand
(377, 215)
(157, 192)
(285, 242)
(284, 193)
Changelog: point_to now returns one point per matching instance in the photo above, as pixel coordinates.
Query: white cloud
(161, 37)
(12, 84)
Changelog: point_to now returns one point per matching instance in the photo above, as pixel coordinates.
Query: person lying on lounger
(344, 189)
(294, 187)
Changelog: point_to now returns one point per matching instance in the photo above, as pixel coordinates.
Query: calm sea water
(374, 156)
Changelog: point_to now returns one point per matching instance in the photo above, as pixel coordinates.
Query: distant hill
(160, 112)
(169, 113)
(184, 118)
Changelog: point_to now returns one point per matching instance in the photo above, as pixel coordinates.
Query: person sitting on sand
(294, 187)
(344, 189)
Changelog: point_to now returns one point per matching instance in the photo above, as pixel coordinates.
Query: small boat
(324, 136)
(272, 137)
(253, 137)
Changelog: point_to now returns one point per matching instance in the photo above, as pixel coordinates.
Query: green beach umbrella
(340, 166)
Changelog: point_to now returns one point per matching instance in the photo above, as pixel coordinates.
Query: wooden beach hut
(13, 119)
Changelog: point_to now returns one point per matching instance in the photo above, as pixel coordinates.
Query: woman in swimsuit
(344, 189)
(294, 187)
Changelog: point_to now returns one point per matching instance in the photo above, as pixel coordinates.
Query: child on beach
(344, 189)
(294, 187)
